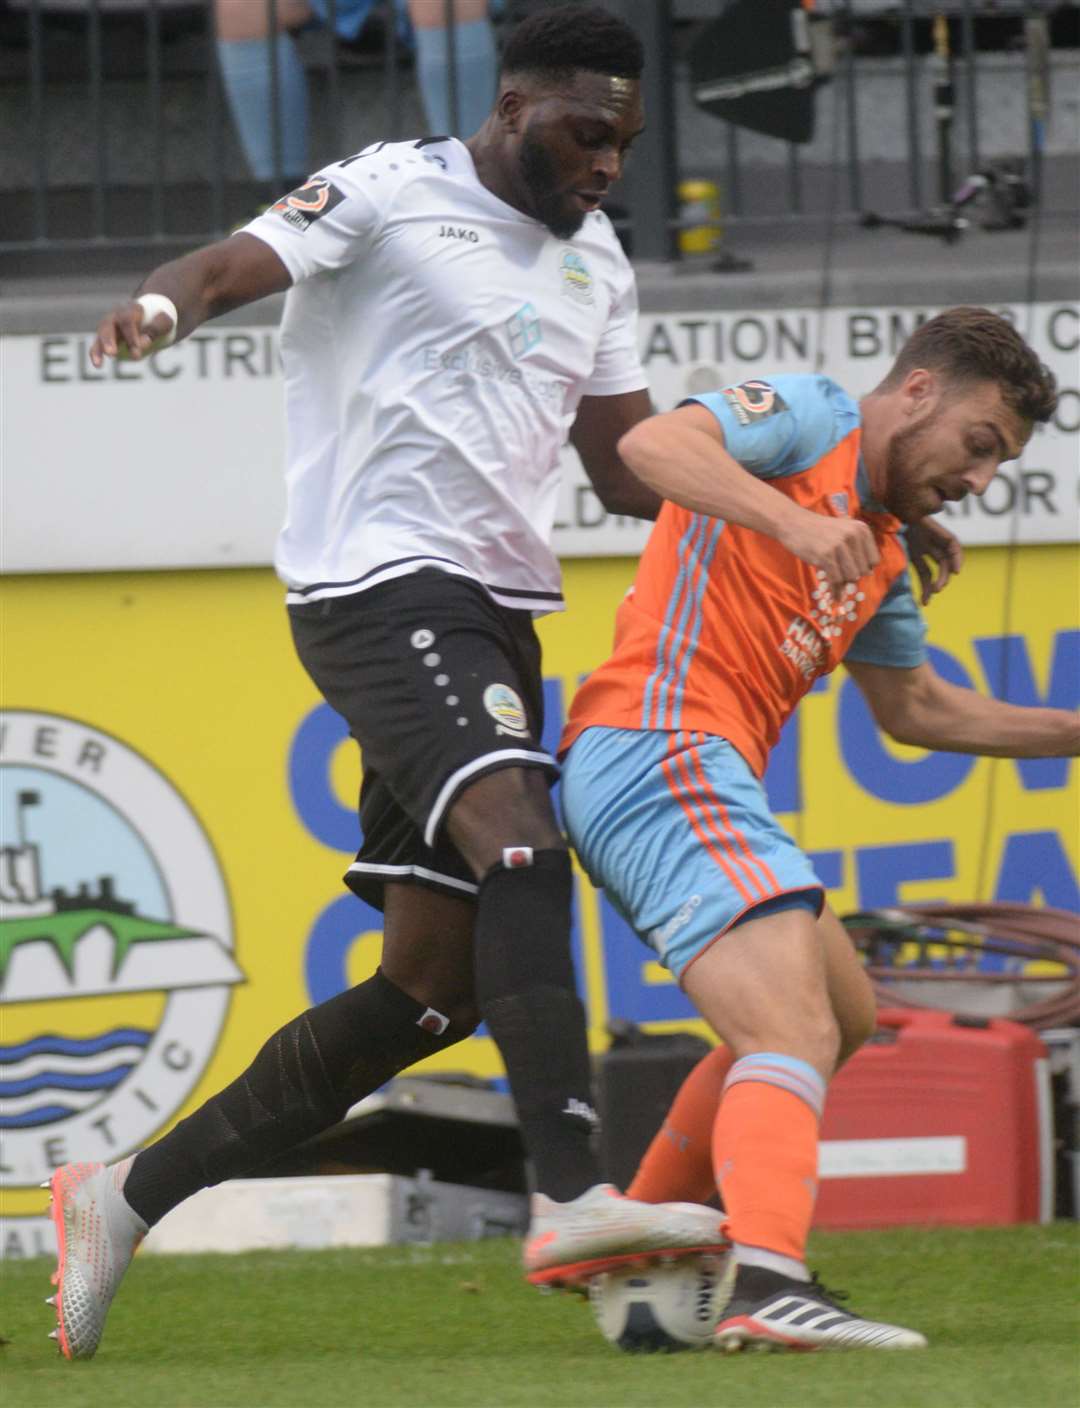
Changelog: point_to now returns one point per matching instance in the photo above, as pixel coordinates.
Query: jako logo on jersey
(310, 202)
(116, 941)
(577, 281)
(505, 707)
(754, 400)
(458, 232)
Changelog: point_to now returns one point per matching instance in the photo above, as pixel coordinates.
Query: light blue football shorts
(677, 830)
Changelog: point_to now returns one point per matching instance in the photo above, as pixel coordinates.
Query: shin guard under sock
(302, 1081)
(526, 994)
(765, 1151)
(678, 1166)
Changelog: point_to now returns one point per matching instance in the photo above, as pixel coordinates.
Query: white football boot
(771, 1311)
(97, 1234)
(602, 1225)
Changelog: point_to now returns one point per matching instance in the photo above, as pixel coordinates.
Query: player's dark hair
(565, 39)
(974, 344)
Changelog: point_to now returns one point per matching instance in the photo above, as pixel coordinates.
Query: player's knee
(506, 811)
(452, 1001)
(821, 1039)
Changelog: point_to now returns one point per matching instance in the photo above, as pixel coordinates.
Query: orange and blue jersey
(724, 630)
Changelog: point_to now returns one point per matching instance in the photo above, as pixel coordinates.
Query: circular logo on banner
(505, 707)
(116, 962)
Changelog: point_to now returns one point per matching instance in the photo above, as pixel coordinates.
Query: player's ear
(510, 108)
(919, 391)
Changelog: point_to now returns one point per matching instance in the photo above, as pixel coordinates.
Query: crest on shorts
(754, 400)
(505, 707)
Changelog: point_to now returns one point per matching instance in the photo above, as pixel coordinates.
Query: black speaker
(636, 1081)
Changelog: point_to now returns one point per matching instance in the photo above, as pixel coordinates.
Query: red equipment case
(938, 1120)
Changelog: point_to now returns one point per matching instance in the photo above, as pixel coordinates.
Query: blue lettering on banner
(554, 718)
(335, 931)
(313, 748)
(828, 867)
(878, 771)
(1033, 866)
(881, 870)
(1006, 663)
(783, 780)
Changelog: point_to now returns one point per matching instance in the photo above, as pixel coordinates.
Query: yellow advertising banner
(178, 807)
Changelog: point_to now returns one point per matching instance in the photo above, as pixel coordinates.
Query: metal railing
(119, 132)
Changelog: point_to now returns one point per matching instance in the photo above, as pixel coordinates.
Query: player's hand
(123, 333)
(931, 546)
(844, 548)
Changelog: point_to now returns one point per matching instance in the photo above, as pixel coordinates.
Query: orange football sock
(765, 1150)
(677, 1165)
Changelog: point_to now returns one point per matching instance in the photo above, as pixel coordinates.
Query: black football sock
(302, 1081)
(526, 994)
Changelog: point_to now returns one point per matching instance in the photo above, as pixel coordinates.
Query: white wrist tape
(153, 304)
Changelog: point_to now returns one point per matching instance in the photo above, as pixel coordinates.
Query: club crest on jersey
(505, 707)
(577, 281)
(841, 503)
(308, 203)
(754, 400)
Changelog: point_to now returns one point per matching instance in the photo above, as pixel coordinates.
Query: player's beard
(905, 495)
(550, 205)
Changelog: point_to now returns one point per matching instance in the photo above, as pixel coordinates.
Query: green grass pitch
(454, 1325)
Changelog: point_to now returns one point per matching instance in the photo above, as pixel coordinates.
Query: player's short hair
(974, 344)
(564, 39)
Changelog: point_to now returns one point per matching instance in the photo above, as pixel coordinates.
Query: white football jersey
(436, 343)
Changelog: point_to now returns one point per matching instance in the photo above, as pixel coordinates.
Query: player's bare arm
(682, 456)
(936, 555)
(202, 285)
(600, 424)
(919, 707)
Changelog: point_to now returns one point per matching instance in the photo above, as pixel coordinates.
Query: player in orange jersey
(780, 552)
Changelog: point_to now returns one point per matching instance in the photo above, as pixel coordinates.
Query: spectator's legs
(475, 64)
(244, 53)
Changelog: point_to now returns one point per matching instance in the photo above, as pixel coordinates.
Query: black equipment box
(637, 1079)
(457, 1129)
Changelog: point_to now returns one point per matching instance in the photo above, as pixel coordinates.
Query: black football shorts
(439, 684)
